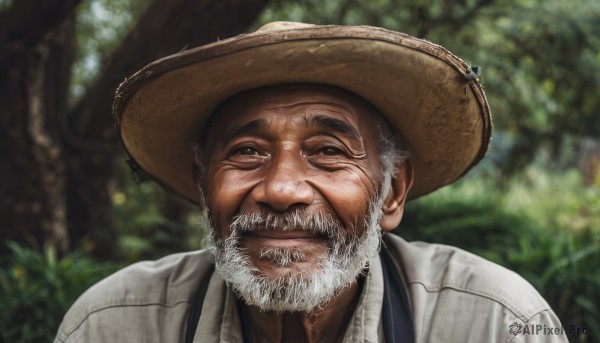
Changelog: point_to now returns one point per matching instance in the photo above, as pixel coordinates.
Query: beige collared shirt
(363, 327)
(454, 297)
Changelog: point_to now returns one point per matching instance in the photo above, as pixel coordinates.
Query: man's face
(292, 179)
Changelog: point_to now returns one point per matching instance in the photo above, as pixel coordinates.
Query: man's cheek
(347, 201)
(230, 191)
(359, 176)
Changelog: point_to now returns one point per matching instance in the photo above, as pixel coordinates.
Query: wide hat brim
(430, 97)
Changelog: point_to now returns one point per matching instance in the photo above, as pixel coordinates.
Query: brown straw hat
(430, 96)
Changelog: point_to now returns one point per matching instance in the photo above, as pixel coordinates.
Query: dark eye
(247, 151)
(331, 151)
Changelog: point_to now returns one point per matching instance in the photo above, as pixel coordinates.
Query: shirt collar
(365, 325)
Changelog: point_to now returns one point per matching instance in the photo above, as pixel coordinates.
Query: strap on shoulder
(397, 319)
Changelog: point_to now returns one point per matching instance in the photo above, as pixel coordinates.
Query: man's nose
(284, 183)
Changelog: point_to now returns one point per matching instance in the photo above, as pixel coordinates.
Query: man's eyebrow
(335, 125)
(250, 126)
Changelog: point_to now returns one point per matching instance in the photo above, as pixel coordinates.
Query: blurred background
(71, 212)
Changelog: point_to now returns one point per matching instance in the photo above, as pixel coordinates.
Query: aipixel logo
(515, 328)
(539, 329)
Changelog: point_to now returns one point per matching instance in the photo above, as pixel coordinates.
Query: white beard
(347, 258)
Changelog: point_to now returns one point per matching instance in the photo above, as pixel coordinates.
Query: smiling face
(292, 186)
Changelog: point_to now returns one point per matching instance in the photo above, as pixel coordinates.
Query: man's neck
(327, 324)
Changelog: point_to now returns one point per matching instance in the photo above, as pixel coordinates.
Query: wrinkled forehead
(356, 110)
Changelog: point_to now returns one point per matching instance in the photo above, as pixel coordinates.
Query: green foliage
(144, 229)
(101, 25)
(544, 227)
(36, 289)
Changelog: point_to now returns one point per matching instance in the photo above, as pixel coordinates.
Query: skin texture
(297, 147)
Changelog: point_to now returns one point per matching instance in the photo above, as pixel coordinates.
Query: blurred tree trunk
(36, 53)
(57, 164)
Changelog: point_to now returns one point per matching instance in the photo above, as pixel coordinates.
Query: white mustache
(316, 223)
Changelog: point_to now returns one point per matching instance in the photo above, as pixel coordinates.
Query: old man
(302, 144)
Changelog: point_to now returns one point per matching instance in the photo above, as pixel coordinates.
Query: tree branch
(26, 22)
(165, 28)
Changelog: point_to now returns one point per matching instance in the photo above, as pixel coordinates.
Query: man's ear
(393, 204)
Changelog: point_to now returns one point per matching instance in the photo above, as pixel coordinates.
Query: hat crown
(283, 25)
